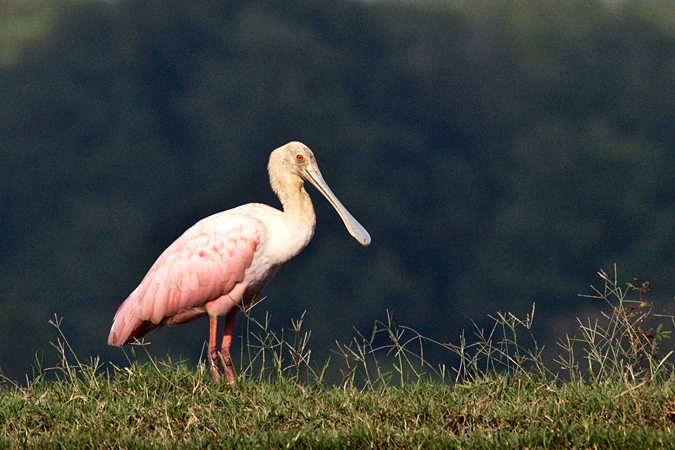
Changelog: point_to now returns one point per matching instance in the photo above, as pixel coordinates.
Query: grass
(612, 389)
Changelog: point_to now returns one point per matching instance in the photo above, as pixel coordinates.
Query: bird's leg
(225, 348)
(213, 354)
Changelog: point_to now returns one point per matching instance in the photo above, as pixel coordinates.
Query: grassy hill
(613, 389)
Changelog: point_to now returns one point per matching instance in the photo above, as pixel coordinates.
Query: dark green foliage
(497, 151)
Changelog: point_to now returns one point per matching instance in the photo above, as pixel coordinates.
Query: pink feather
(207, 262)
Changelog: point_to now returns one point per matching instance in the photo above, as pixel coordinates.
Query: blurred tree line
(499, 153)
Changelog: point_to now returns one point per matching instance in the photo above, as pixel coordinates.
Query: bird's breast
(283, 235)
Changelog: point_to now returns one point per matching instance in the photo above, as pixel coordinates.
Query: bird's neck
(296, 228)
(295, 200)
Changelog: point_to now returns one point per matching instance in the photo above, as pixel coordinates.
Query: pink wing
(207, 262)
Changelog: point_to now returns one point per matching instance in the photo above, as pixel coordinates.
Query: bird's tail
(127, 326)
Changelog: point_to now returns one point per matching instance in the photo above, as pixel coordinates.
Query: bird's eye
(299, 157)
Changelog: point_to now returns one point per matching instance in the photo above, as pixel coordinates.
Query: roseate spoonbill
(224, 261)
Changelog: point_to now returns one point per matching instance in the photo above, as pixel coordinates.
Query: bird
(220, 265)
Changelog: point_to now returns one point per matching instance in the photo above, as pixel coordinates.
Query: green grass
(612, 389)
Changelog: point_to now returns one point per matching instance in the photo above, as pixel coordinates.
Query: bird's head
(294, 162)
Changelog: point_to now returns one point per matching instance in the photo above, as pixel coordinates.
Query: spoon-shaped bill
(313, 175)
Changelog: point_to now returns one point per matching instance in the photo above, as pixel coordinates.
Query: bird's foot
(214, 362)
(215, 373)
(226, 361)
